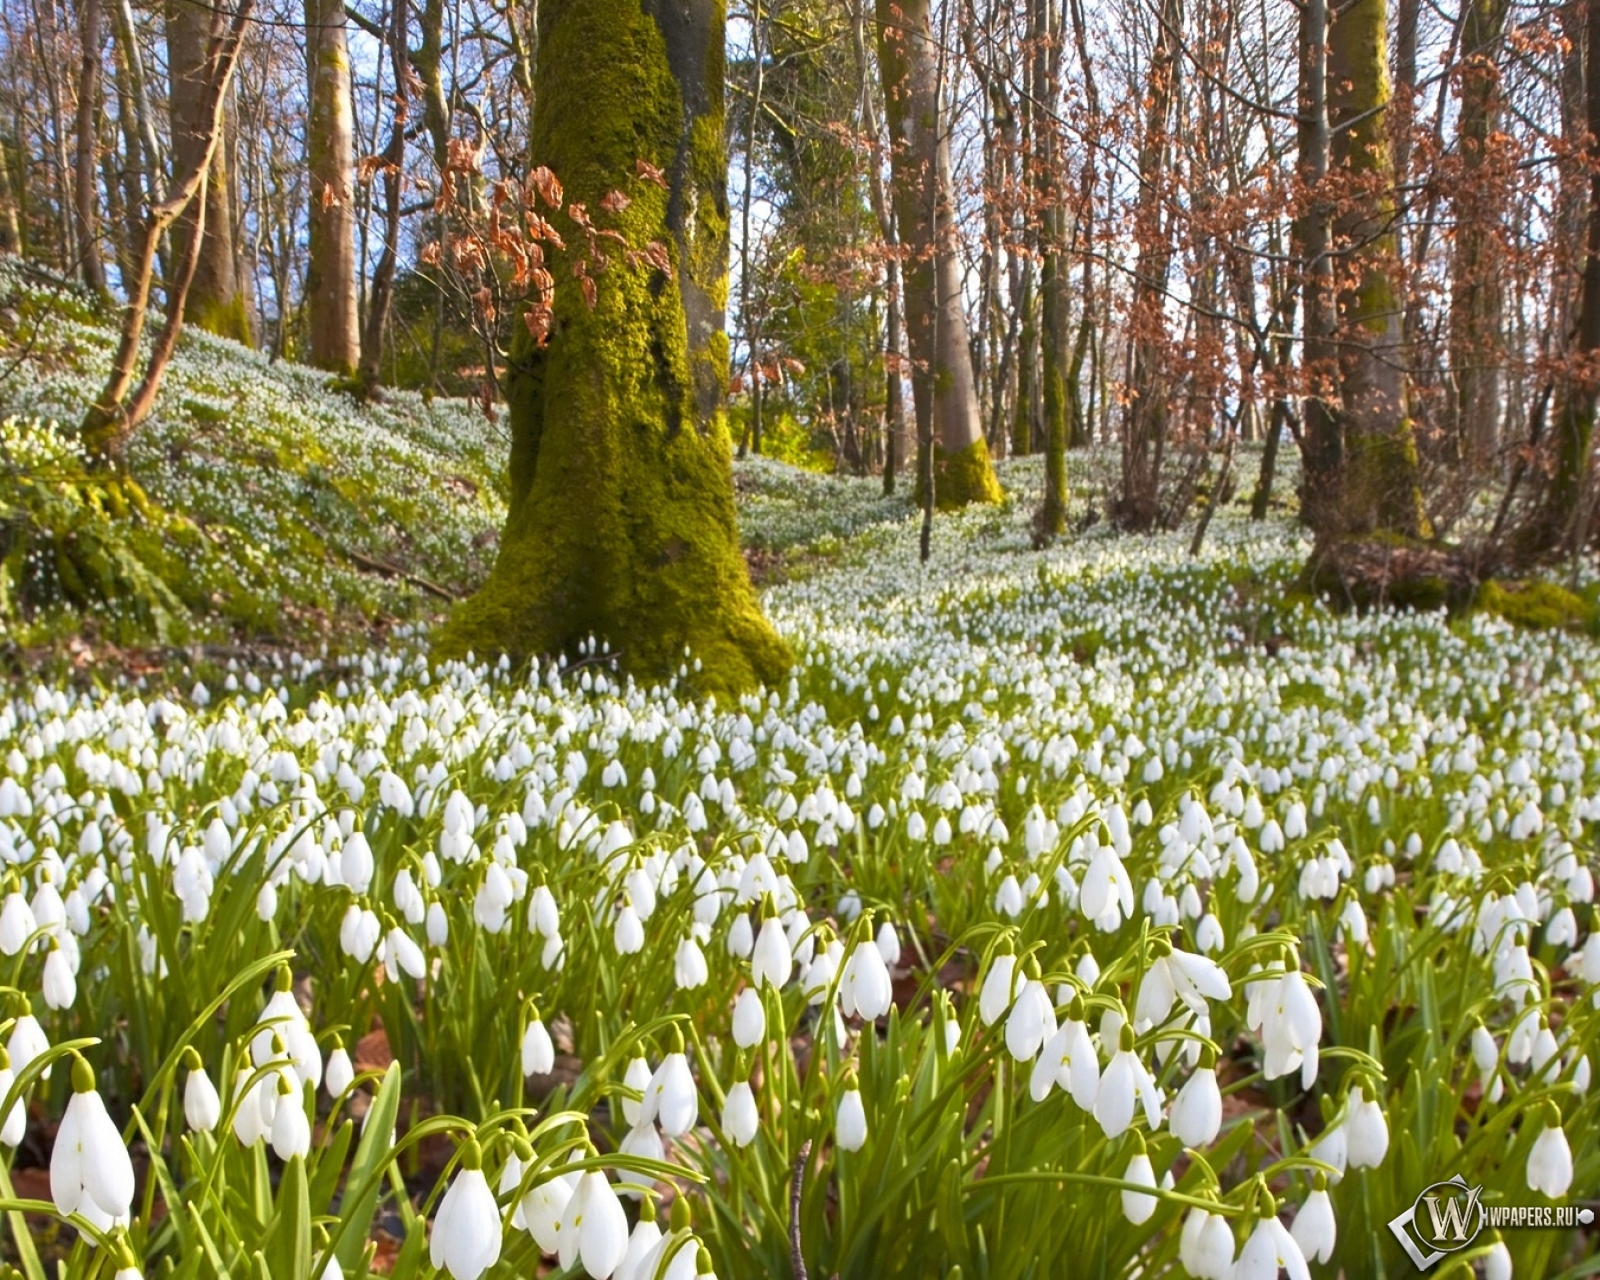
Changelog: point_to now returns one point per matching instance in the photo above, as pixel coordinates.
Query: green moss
(225, 317)
(1539, 606)
(622, 519)
(963, 477)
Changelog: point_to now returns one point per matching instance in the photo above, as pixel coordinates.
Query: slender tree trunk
(1554, 521)
(1378, 487)
(381, 294)
(86, 176)
(116, 413)
(335, 333)
(1026, 428)
(10, 227)
(1145, 422)
(217, 300)
(1051, 519)
(942, 379)
(1323, 440)
(1477, 291)
(621, 515)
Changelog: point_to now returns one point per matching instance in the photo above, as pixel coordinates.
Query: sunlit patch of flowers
(1086, 912)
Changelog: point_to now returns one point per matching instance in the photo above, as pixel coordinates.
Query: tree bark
(942, 384)
(116, 414)
(621, 516)
(1477, 291)
(335, 333)
(1050, 521)
(381, 296)
(217, 299)
(1145, 422)
(1554, 521)
(86, 177)
(1377, 486)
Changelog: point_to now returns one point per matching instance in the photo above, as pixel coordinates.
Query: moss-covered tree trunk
(1377, 482)
(335, 330)
(217, 298)
(942, 384)
(621, 521)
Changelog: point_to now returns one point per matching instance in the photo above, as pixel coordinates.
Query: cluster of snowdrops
(1046, 919)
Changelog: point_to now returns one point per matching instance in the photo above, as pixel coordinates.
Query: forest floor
(243, 684)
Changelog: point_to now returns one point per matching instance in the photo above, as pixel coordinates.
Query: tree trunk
(381, 296)
(936, 323)
(1477, 292)
(335, 333)
(10, 226)
(1145, 423)
(621, 520)
(1051, 519)
(86, 177)
(217, 299)
(116, 413)
(1554, 521)
(1377, 486)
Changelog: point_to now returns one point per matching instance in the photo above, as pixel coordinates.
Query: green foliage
(1539, 606)
(92, 543)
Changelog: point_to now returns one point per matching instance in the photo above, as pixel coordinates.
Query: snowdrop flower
(1137, 1207)
(1290, 1025)
(1270, 1249)
(291, 1130)
(544, 1207)
(538, 1051)
(282, 1016)
(90, 1170)
(1366, 1131)
(1032, 1020)
(1106, 886)
(544, 918)
(1314, 1229)
(1196, 1115)
(595, 1230)
(1497, 1262)
(628, 933)
(637, 1078)
(772, 959)
(749, 1019)
(1178, 975)
(202, 1108)
(865, 988)
(1205, 1245)
(60, 986)
(643, 1240)
(689, 968)
(339, 1073)
(1550, 1159)
(16, 1121)
(850, 1121)
(1068, 1060)
(995, 997)
(438, 927)
(466, 1235)
(254, 1107)
(1124, 1083)
(17, 923)
(740, 1119)
(670, 1098)
(402, 956)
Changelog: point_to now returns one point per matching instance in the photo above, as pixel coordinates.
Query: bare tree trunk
(1323, 442)
(335, 334)
(1477, 291)
(114, 416)
(942, 381)
(10, 227)
(1554, 522)
(86, 177)
(1145, 421)
(381, 295)
(1051, 519)
(217, 300)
